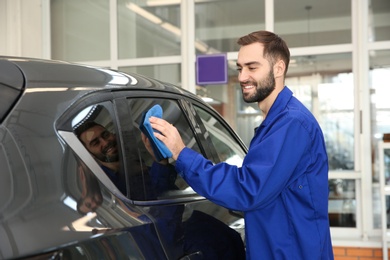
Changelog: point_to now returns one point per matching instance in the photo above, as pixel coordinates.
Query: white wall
(21, 27)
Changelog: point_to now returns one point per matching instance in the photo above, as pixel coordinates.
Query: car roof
(50, 73)
(19, 75)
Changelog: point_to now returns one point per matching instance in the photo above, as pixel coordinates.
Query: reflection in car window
(227, 148)
(173, 114)
(94, 127)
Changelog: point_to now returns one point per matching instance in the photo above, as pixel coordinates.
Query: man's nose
(243, 75)
(103, 142)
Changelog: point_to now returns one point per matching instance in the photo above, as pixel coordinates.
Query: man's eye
(252, 68)
(239, 69)
(105, 134)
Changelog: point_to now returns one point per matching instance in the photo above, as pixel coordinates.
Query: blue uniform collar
(279, 105)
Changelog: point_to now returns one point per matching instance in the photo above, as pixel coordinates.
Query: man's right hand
(170, 136)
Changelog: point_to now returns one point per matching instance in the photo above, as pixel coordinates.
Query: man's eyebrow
(248, 63)
(105, 132)
(93, 140)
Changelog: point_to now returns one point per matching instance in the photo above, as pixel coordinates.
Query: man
(282, 186)
(102, 144)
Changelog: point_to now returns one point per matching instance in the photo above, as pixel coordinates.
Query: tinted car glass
(173, 114)
(228, 150)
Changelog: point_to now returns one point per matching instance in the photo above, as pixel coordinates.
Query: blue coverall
(282, 185)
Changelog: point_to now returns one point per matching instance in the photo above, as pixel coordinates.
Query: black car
(61, 200)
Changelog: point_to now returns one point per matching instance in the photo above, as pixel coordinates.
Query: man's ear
(279, 69)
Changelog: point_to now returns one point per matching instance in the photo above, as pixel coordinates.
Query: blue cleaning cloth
(160, 150)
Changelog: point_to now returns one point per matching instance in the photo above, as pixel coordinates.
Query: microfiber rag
(160, 150)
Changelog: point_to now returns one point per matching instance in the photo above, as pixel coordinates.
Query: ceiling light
(142, 12)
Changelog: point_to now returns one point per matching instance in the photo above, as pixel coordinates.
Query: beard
(263, 89)
(108, 158)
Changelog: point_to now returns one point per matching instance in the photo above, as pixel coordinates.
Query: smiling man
(282, 185)
(102, 144)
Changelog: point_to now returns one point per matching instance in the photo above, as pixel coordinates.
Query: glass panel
(336, 119)
(146, 30)
(376, 206)
(168, 183)
(380, 105)
(168, 73)
(227, 148)
(315, 23)
(388, 210)
(342, 203)
(379, 22)
(380, 119)
(386, 172)
(80, 30)
(218, 24)
(316, 88)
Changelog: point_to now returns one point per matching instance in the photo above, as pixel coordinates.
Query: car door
(150, 202)
(202, 130)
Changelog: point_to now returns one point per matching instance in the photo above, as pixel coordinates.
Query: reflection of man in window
(102, 144)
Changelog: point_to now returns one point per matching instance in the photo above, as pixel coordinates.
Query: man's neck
(267, 103)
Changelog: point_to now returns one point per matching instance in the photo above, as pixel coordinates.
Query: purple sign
(211, 69)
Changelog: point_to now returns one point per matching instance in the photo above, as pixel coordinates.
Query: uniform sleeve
(269, 165)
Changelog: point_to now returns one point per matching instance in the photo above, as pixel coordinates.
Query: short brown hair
(82, 127)
(274, 47)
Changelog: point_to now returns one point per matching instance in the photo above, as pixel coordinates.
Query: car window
(163, 179)
(95, 129)
(227, 147)
(116, 144)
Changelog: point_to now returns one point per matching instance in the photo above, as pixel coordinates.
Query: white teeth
(248, 87)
